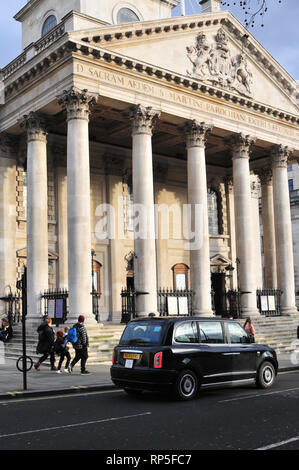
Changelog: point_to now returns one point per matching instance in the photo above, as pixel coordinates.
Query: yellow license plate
(131, 356)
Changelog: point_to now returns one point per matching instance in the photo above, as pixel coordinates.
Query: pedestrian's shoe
(36, 366)
(59, 371)
(53, 368)
(84, 372)
(70, 369)
(67, 371)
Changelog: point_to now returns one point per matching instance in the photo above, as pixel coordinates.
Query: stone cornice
(26, 8)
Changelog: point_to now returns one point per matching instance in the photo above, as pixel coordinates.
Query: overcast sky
(280, 35)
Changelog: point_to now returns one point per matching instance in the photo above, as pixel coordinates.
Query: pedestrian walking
(248, 327)
(81, 346)
(61, 349)
(5, 331)
(45, 346)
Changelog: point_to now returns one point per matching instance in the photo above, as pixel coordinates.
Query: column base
(289, 312)
(203, 313)
(89, 321)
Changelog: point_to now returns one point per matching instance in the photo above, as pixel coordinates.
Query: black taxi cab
(183, 354)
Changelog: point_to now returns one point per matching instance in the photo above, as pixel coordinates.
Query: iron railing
(170, 302)
(56, 304)
(128, 305)
(175, 302)
(13, 307)
(268, 302)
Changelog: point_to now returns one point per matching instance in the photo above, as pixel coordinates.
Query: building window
(213, 212)
(125, 15)
(291, 185)
(180, 276)
(49, 24)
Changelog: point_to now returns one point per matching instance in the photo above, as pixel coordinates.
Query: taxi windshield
(143, 333)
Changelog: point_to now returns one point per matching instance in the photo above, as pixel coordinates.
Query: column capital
(280, 156)
(241, 145)
(197, 133)
(77, 103)
(265, 175)
(143, 119)
(35, 125)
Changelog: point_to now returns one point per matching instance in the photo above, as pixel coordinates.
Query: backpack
(72, 335)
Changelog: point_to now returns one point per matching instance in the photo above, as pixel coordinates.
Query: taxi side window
(186, 333)
(237, 334)
(211, 332)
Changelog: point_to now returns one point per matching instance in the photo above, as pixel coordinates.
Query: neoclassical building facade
(125, 130)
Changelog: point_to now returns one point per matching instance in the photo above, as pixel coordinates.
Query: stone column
(255, 186)
(61, 181)
(245, 243)
(77, 104)
(143, 189)
(265, 176)
(283, 229)
(200, 271)
(232, 231)
(7, 216)
(117, 277)
(37, 214)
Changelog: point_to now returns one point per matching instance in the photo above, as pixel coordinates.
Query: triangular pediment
(22, 253)
(220, 260)
(214, 49)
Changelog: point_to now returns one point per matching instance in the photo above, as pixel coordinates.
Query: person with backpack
(45, 346)
(61, 349)
(81, 345)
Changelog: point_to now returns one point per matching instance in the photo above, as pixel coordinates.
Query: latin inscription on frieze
(196, 103)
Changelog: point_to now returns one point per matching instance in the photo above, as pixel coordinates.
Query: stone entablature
(154, 84)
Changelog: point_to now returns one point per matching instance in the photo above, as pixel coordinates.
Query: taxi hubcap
(187, 385)
(268, 375)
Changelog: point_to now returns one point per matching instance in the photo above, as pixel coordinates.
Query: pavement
(46, 382)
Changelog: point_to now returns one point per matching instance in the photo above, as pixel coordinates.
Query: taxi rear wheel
(186, 386)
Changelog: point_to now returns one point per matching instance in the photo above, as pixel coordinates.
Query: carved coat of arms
(214, 63)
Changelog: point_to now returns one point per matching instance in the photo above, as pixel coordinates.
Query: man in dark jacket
(81, 346)
(46, 339)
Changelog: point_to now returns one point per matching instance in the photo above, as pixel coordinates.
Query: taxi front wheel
(265, 375)
(186, 385)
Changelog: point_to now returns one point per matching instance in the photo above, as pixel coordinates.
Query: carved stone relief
(214, 63)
